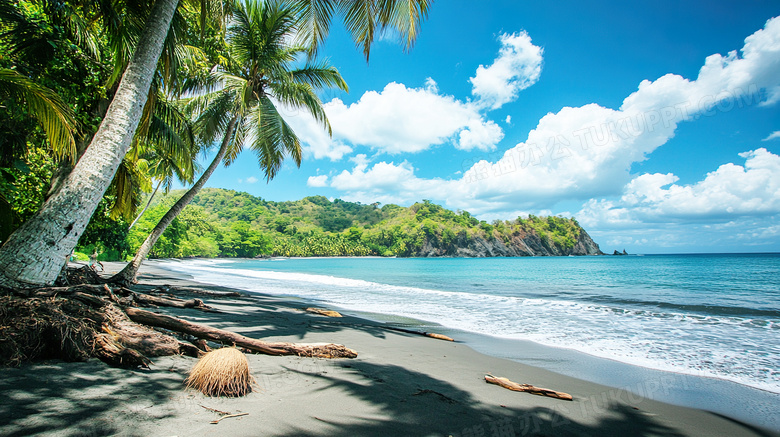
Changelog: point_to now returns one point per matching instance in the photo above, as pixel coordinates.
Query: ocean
(706, 315)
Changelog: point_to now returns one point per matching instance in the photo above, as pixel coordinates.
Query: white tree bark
(35, 253)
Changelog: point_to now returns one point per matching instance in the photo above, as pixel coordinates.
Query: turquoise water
(704, 315)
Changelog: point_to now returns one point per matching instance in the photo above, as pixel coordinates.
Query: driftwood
(323, 312)
(95, 319)
(169, 289)
(323, 350)
(426, 334)
(170, 302)
(528, 388)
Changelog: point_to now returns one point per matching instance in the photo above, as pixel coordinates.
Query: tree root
(81, 321)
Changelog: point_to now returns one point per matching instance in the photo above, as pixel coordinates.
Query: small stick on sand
(427, 334)
(224, 413)
(225, 417)
(528, 388)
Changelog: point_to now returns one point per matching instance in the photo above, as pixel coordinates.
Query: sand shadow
(418, 404)
(82, 399)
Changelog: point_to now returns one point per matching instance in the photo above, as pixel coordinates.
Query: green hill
(228, 223)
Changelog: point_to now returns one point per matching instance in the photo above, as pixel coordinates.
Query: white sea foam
(731, 348)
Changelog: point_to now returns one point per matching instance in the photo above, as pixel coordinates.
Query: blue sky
(656, 125)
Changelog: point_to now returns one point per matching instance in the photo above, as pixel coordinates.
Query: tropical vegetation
(226, 223)
(112, 64)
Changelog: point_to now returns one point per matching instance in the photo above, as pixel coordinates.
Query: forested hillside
(227, 223)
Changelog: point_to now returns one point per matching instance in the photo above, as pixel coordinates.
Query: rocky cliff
(518, 244)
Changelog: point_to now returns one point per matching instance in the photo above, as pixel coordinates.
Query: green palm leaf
(56, 118)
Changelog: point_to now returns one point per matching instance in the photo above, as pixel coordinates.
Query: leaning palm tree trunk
(35, 253)
(148, 202)
(128, 274)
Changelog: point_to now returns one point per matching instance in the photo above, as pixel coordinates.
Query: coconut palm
(240, 102)
(33, 254)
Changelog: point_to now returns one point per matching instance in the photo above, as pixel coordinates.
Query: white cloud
(395, 120)
(386, 182)
(518, 66)
(727, 193)
(772, 136)
(585, 152)
(400, 119)
(508, 119)
(314, 138)
(479, 135)
(249, 180)
(317, 181)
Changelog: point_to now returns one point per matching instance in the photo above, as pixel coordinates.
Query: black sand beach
(400, 384)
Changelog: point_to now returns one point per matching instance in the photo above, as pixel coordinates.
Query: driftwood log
(210, 293)
(528, 388)
(323, 312)
(173, 302)
(323, 350)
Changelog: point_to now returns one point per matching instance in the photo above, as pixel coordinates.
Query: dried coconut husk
(222, 372)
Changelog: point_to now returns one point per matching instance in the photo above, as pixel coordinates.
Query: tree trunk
(33, 255)
(147, 205)
(322, 350)
(127, 275)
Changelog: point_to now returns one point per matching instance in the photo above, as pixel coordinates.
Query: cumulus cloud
(772, 136)
(734, 206)
(386, 182)
(317, 181)
(315, 140)
(401, 119)
(397, 119)
(583, 152)
(728, 192)
(517, 67)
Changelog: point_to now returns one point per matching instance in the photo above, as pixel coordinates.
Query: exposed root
(81, 321)
(32, 329)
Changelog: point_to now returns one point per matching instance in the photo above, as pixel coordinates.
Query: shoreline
(400, 384)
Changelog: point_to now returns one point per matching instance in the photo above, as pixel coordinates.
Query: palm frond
(320, 76)
(302, 96)
(274, 139)
(214, 117)
(314, 18)
(126, 188)
(237, 140)
(405, 16)
(56, 118)
(360, 20)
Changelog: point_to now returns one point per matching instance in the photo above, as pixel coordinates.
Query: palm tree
(164, 148)
(33, 253)
(258, 75)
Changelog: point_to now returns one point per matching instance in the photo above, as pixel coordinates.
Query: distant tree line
(227, 223)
